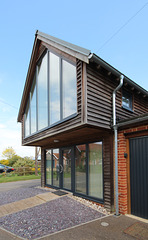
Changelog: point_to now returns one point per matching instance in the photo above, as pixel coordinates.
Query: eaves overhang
(134, 120)
(94, 58)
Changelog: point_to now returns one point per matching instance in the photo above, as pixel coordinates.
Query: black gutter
(93, 57)
(137, 119)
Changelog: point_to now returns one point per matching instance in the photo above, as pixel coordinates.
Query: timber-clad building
(67, 110)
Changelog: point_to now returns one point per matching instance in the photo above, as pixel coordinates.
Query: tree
(8, 153)
(5, 162)
(24, 162)
(14, 159)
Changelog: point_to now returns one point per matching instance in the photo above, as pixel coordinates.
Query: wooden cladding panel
(100, 88)
(140, 106)
(79, 86)
(98, 99)
(108, 172)
(69, 124)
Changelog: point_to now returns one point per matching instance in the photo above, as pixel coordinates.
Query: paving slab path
(46, 215)
(14, 207)
(31, 212)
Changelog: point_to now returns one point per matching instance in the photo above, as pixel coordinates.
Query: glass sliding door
(52, 167)
(66, 165)
(56, 167)
(95, 170)
(80, 169)
(48, 167)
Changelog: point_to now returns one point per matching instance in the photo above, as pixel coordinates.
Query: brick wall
(122, 172)
(123, 166)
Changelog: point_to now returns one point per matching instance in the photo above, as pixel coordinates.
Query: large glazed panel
(42, 94)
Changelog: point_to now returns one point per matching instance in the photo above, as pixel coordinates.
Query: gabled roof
(75, 48)
(83, 54)
(69, 48)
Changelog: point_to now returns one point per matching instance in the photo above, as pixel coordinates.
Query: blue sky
(85, 23)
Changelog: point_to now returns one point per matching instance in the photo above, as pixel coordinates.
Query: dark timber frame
(73, 148)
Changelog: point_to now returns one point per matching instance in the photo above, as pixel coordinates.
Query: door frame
(128, 178)
(72, 147)
(128, 137)
(72, 168)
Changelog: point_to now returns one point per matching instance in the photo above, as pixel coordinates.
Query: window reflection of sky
(42, 94)
(62, 94)
(54, 88)
(69, 89)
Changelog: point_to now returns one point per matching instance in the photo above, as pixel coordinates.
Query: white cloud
(10, 136)
(2, 126)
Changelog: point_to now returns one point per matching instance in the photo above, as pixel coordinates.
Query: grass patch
(14, 178)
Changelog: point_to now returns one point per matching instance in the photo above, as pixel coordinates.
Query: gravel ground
(49, 218)
(19, 194)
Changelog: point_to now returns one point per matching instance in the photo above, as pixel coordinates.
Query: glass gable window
(27, 121)
(53, 95)
(42, 94)
(54, 88)
(69, 89)
(33, 106)
(127, 100)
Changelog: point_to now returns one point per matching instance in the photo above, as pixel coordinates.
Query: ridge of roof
(71, 46)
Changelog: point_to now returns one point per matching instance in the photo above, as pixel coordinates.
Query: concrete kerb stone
(9, 235)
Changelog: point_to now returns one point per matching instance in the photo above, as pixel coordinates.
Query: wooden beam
(125, 84)
(132, 88)
(109, 73)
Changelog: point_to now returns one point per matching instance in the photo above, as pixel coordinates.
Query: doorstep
(137, 218)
